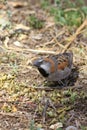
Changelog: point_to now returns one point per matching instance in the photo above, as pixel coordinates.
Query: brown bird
(55, 68)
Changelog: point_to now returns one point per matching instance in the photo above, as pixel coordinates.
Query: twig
(27, 50)
(55, 39)
(9, 114)
(52, 105)
(36, 110)
(17, 114)
(48, 103)
(72, 38)
(50, 42)
(44, 88)
(47, 27)
(45, 109)
(71, 118)
(70, 9)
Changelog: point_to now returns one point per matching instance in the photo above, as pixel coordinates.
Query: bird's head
(43, 66)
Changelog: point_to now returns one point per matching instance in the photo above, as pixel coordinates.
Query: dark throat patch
(43, 72)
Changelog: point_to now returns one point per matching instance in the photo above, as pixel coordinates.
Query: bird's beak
(35, 63)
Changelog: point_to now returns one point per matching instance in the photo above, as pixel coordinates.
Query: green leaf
(84, 9)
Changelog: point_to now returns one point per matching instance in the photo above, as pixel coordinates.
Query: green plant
(83, 127)
(71, 13)
(36, 22)
(58, 16)
(84, 10)
(59, 129)
(14, 67)
(70, 95)
(45, 4)
(33, 126)
(73, 96)
(72, 17)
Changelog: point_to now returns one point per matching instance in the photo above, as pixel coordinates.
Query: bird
(55, 67)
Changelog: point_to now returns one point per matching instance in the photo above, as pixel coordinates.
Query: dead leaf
(18, 44)
(22, 37)
(22, 27)
(6, 42)
(14, 109)
(56, 126)
(37, 37)
(4, 22)
(17, 4)
(3, 77)
(6, 107)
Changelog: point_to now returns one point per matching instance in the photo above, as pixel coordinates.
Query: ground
(25, 96)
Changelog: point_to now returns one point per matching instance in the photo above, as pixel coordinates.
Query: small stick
(9, 114)
(45, 109)
(72, 38)
(55, 39)
(28, 50)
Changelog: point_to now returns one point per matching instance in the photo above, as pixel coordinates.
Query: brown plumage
(55, 68)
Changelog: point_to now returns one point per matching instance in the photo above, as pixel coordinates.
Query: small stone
(71, 128)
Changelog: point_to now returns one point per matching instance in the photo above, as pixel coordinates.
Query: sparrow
(55, 67)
